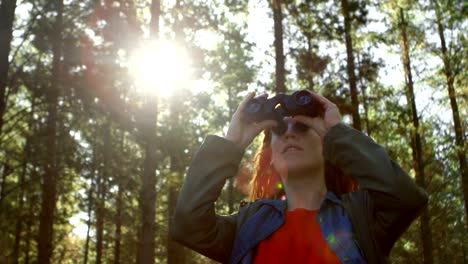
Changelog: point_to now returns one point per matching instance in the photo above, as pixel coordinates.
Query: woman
(318, 221)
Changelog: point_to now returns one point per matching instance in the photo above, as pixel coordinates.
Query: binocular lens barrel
(256, 104)
(254, 107)
(303, 98)
(281, 105)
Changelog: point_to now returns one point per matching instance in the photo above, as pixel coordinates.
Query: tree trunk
(279, 50)
(91, 201)
(310, 80)
(102, 190)
(350, 65)
(49, 184)
(100, 217)
(364, 101)
(459, 133)
(88, 223)
(146, 248)
(230, 180)
(416, 145)
(146, 241)
(175, 252)
(5, 171)
(20, 215)
(22, 183)
(118, 226)
(7, 16)
(118, 217)
(155, 14)
(29, 224)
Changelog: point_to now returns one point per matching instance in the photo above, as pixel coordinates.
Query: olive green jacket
(383, 207)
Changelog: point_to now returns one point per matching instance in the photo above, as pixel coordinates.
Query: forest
(103, 104)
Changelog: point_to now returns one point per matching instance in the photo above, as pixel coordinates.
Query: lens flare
(160, 67)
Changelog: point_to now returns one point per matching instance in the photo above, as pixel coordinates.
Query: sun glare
(160, 67)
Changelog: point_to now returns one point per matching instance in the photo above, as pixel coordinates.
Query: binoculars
(281, 105)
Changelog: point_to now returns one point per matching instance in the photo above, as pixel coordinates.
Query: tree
(459, 133)
(346, 10)
(7, 15)
(146, 247)
(416, 144)
(49, 184)
(309, 64)
(280, 72)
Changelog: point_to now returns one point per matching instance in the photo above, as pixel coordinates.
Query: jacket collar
(282, 204)
(278, 204)
(330, 196)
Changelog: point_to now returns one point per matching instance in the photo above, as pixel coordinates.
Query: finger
(267, 124)
(244, 103)
(315, 123)
(307, 120)
(249, 97)
(259, 127)
(322, 100)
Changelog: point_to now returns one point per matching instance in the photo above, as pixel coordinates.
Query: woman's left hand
(331, 116)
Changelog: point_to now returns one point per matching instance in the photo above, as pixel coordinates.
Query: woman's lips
(291, 147)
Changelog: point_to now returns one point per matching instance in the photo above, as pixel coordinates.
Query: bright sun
(160, 68)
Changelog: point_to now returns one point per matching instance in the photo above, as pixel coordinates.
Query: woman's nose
(290, 131)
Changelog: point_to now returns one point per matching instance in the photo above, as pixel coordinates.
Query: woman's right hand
(242, 133)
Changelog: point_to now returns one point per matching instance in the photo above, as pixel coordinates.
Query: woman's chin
(297, 167)
(297, 164)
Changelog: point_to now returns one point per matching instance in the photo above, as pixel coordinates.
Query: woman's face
(298, 150)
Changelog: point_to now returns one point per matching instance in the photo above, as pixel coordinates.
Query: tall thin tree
(104, 174)
(280, 72)
(50, 177)
(22, 184)
(118, 223)
(90, 215)
(7, 16)
(416, 144)
(459, 133)
(121, 182)
(350, 63)
(146, 241)
(175, 252)
(230, 189)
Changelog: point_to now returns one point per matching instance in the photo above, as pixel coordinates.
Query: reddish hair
(266, 182)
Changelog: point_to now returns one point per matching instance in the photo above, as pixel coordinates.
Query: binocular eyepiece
(276, 108)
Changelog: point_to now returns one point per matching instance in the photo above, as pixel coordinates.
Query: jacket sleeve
(195, 223)
(396, 199)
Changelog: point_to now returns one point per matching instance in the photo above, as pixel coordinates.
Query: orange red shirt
(298, 240)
